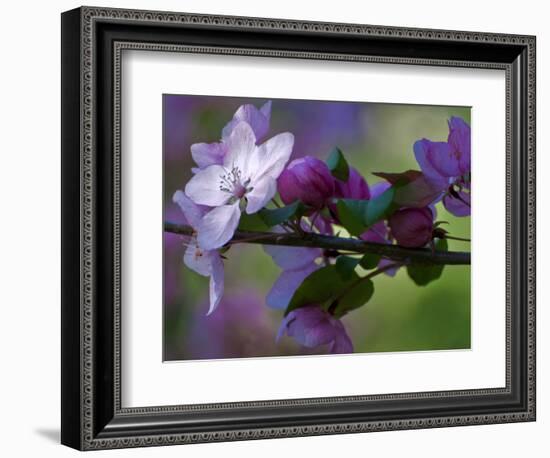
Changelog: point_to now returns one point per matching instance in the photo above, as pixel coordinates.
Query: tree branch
(311, 240)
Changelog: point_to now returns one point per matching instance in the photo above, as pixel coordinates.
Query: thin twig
(312, 240)
(460, 239)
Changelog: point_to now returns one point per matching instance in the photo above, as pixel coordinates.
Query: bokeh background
(374, 137)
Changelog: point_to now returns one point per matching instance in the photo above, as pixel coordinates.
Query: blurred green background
(374, 137)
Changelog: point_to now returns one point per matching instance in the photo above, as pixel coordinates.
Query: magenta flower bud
(307, 179)
(412, 227)
(355, 188)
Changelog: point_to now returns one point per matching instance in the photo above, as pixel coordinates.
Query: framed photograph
(277, 228)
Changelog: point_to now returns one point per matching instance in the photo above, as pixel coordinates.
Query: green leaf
(338, 165)
(399, 179)
(379, 207)
(273, 217)
(317, 288)
(423, 274)
(417, 194)
(327, 287)
(369, 261)
(345, 265)
(351, 214)
(412, 189)
(357, 296)
(358, 215)
(252, 223)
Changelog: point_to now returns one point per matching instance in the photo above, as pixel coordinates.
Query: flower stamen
(230, 182)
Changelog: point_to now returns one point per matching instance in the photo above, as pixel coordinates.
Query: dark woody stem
(460, 239)
(328, 242)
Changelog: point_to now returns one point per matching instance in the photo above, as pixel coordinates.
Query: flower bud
(307, 179)
(412, 227)
(355, 188)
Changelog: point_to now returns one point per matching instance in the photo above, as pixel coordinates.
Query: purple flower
(207, 263)
(323, 223)
(312, 327)
(355, 188)
(446, 165)
(296, 263)
(457, 202)
(248, 173)
(257, 119)
(205, 154)
(460, 141)
(307, 179)
(412, 227)
(437, 161)
(377, 233)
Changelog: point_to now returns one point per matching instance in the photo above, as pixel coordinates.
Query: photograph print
(307, 227)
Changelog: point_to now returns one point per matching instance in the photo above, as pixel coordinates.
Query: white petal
(204, 187)
(218, 226)
(205, 154)
(273, 156)
(197, 259)
(262, 192)
(216, 281)
(192, 212)
(240, 146)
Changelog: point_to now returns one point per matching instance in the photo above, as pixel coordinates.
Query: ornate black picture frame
(92, 42)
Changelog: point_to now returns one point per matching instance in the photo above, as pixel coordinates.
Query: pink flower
(205, 154)
(307, 179)
(258, 120)
(311, 326)
(248, 175)
(207, 263)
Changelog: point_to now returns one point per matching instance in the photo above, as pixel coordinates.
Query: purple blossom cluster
(446, 166)
(246, 172)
